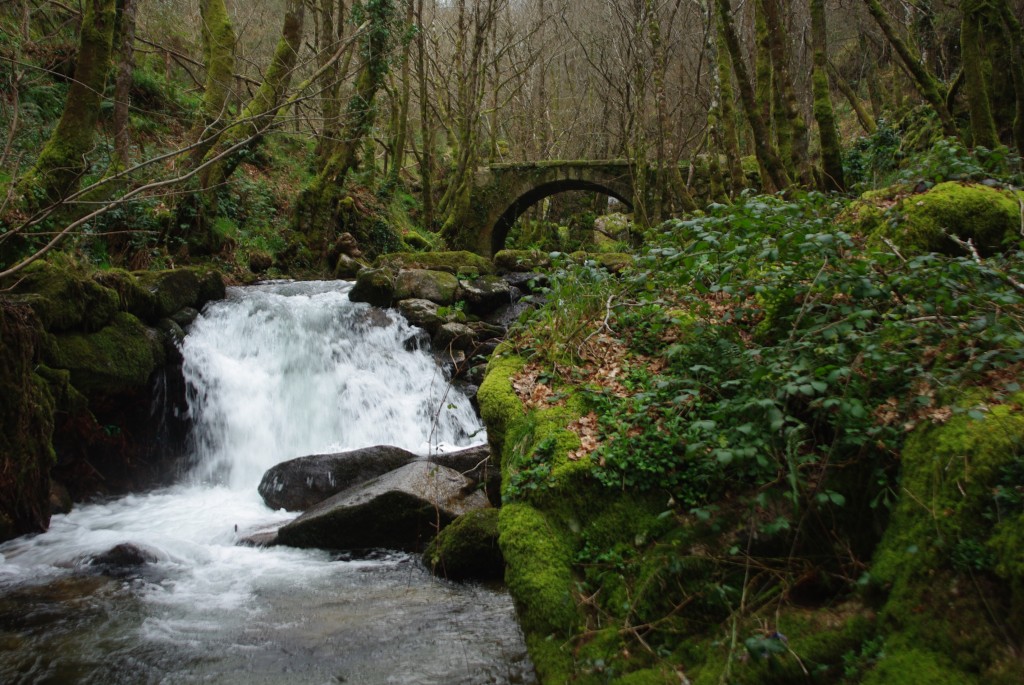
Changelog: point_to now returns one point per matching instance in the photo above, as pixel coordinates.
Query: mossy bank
(83, 352)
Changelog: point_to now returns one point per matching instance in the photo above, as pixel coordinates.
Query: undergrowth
(760, 368)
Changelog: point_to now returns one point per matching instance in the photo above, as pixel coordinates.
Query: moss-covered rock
(949, 577)
(539, 573)
(437, 286)
(468, 548)
(26, 425)
(174, 289)
(485, 294)
(374, 286)
(990, 217)
(133, 297)
(499, 405)
(119, 357)
(915, 667)
(460, 262)
(521, 260)
(65, 298)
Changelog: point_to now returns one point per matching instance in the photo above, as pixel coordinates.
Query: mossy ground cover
(706, 461)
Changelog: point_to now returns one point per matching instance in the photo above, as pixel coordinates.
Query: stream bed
(275, 371)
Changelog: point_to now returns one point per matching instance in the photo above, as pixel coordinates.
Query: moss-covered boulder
(174, 289)
(440, 287)
(989, 217)
(948, 564)
(26, 424)
(485, 294)
(119, 357)
(460, 262)
(133, 296)
(468, 548)
(521, 260)
(374, 286)
(65, 298)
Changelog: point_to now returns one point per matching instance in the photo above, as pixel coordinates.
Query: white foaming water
(276, 371)
(295, 369)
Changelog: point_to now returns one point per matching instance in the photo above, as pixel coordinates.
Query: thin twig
(892, 246)
(969, 246)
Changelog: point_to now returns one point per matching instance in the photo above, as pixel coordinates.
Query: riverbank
(783, 447)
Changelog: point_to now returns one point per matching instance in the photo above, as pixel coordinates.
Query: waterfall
(274, 372)
(293, 369)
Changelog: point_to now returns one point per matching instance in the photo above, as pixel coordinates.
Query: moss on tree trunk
(974, 14)
(776, 177)
(65, 157)
(828, 133)
(927, 85)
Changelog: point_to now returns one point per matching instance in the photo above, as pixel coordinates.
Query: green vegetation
(709, 453)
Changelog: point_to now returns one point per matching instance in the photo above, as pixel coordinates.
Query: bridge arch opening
(531, 197)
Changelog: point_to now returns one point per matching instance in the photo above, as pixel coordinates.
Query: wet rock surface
(298, 484)
(400, 510)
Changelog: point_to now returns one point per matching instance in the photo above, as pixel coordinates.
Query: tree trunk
(927, 85)
(64, 158)
(426, 128)
(789, 121)
(123, 83)
(776, 177)
(828, 133)
(319, 206)
(402, 117)
(727, 109)
(258, 115)
(1015, 39)
(218, 37)
(867, 122)
(979, 105)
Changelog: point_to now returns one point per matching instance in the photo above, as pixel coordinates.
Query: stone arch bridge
(502, 192)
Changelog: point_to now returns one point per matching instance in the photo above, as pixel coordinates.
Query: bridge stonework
(502, 192)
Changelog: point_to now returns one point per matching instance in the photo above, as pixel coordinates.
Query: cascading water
(275, 371)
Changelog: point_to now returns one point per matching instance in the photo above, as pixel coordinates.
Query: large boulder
(119, 357)
(918, 223)
(175, 289)
(521, 260)
(437, 286)
(485, 294)
(402, 509)
(451, 262)
(298, 484)
(422, 313)
(454, 336)
(475, 464)
(374, 286)
(64, 299)
(468, 549)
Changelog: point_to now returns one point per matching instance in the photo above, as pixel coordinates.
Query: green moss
(172, 289)
(66, 298)
(133, 298)
(538, 554)
(915, 667)
(499, 405)
(921, 223)
(940, 538)
(468, 548)
(450, 262)
(650, 676)
(374, 286)
(26, 424)
(175, 289)
(521, 260)
(119, 357)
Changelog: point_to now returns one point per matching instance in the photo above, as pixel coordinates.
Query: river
(275, 371)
